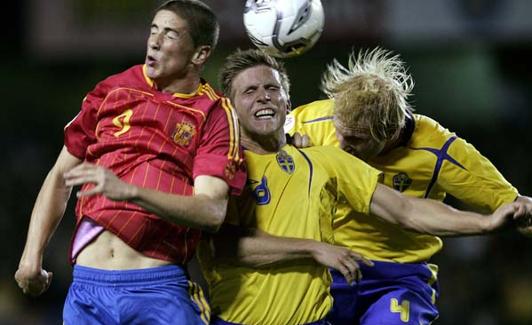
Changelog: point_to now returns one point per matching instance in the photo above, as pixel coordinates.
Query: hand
(524, 224)
(516, 211)
(104, 180)
(301, 141)
(33, 282)
(341, 259)
(525, 227)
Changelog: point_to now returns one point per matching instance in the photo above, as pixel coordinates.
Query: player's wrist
(488, 224)
(133, 192)
(312, 248)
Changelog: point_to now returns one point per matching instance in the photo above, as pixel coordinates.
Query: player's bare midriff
(109, 252)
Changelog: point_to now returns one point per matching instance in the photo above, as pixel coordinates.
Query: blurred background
(471, 60)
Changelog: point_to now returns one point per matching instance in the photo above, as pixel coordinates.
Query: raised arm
(45, 217)
(204, 210)
(435, 218)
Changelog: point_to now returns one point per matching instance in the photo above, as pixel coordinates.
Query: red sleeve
(219, 153)
(80, 132)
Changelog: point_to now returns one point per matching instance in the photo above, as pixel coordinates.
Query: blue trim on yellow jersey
(442, 156)
(408, 129)
(319, 119)
(261, 192)
(311, 170)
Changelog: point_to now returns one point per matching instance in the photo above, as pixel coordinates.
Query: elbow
(215, 219)
(409, 224)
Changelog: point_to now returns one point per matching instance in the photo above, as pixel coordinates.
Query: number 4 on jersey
(403, 309)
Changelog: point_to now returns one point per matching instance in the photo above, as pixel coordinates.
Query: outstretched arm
(436, 218)
(45, 217)
(204, 210)
(256, 248)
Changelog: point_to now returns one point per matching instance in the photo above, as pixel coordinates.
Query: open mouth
(150, 60)
(265, 114)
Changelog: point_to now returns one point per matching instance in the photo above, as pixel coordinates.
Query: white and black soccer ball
(284, 28)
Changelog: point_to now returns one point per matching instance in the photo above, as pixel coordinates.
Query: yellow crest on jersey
(184, 132)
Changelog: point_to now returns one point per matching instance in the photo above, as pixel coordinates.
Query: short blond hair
(241, 60)
(371, 93)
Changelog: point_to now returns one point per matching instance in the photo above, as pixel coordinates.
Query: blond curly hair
(371, 93)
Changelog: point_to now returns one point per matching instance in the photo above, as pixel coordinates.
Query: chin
(151, 72)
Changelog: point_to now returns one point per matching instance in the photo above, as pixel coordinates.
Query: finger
(297, 140)
(358, 275)
(79, 176)
(352, 266)
(305, 141)
(49, 277)
(22, 285)
(355, 274)
(345, 272)
(93, 191)
(81, 169)
(80, 180)
(361, 259)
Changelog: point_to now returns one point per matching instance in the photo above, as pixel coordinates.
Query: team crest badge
(230, 170)
(286, 162)
(401, 182)
(261, 192)
(183, 134)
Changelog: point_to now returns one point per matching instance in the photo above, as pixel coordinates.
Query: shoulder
(428, 131)
(314, 109)
(207, 102)
(327, 155)
(207, 99)
(131, 78)
(309, 114)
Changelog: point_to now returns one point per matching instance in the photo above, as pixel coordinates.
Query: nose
(264, 96)
(154, 41)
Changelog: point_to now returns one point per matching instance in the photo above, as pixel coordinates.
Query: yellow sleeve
(473, 179)
(356, 181)
(314, 120)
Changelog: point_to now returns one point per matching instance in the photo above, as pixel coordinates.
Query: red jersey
(154, 140)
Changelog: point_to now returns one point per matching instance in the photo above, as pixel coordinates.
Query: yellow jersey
(429, 164)
(293, 193)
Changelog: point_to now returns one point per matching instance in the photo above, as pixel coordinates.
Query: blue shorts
(160, 295)
(218, 321)
(389, 293)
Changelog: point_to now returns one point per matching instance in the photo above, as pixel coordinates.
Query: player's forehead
(168, 19)
(354, 129)
(256, 76)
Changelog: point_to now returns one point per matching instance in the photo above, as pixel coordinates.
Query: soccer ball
(283, 28)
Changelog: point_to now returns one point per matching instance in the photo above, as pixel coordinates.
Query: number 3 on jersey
(122, 122)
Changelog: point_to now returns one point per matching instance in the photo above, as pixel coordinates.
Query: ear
(288, 105)
(201, 55)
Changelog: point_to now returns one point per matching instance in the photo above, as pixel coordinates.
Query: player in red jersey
(162, 129)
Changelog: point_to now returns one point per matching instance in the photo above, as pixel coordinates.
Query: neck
(393, 143)
(185, 84)
(263, 144)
